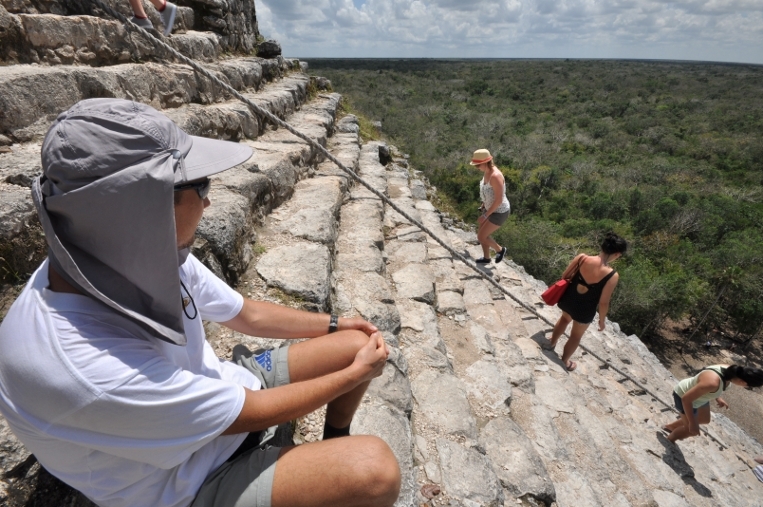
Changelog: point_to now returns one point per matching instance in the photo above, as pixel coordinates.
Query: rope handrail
(314, 144)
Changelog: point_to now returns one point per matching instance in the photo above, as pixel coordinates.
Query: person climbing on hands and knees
(167, 13)
(580, 300)
(692, 396)
(495, 206)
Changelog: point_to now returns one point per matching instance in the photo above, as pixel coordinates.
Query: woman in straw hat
(495, 206)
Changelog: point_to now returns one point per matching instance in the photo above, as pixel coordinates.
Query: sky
(707, 30)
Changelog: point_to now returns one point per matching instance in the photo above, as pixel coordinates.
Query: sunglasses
(201, 187)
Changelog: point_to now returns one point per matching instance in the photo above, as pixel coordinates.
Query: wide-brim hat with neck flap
(105, 201)
(480, 157)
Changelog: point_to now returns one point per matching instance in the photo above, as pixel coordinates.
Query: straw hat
(480, 157)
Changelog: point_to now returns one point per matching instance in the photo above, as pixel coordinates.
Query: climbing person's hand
(370, 360)
(694, 428)
(602, 324)
(722, 403)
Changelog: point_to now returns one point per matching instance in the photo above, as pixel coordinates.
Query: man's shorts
(247, 479)
(498, 218)
(680, 404)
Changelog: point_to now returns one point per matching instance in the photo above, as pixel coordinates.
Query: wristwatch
(333, 324)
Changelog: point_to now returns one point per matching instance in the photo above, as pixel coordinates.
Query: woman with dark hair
(580, 300)
(692, 396)
(495, 206)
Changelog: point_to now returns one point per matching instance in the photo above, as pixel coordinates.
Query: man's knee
(377, 469)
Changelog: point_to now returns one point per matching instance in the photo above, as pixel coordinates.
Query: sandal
(499, 255)
(483, 260)
(571, 366)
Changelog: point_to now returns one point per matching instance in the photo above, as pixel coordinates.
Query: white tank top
(487, 196)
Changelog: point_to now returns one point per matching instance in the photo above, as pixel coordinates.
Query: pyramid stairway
(475, 410)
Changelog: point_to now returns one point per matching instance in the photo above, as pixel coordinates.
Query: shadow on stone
(674, 458)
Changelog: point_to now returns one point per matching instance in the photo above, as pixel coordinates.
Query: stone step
(603, 446)
(184, 19)
(32, 95)
(52, 39)
(246, 193)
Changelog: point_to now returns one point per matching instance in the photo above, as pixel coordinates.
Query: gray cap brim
(211, 156)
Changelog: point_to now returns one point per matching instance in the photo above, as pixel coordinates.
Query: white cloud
(728, 30)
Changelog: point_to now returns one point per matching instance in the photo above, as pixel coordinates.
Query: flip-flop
(571, 366)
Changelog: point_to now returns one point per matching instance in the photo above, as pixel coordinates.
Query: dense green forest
(667, 154)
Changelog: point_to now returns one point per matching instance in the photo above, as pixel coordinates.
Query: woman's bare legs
(576, 333)
(680, 431)
(137, 7)
(559, 328)
(483, 236)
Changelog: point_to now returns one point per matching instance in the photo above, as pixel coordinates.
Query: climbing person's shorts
(246, 478)
(680, 404)
(498, 218)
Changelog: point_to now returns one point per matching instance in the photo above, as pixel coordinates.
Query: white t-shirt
(127, 421)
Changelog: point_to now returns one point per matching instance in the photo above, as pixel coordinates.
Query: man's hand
(357, 323)
(370, 360)
(722, 403)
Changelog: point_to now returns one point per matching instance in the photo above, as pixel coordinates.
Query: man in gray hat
(105, 373)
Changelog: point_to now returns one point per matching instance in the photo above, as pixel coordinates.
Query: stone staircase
(477, 413)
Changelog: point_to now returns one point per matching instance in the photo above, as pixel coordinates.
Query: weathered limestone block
(366, 218)
(419, 191)
(402, 253)
(354, 286)
(311, 213)
(162, 86)
(226, 226)
(477, 293)
(375, 417)
(418, 317)
(383, 315)
(488, 383)
(415, 281)
(348, 124)
(468, 476)
(22, 243)
(359, 256)
(301, 269)
(268, 49)
(231, 121)
(441, 401)
(450, 303)
(393, 385)
(518, 466)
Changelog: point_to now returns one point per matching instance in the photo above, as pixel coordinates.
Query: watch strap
(333, 323)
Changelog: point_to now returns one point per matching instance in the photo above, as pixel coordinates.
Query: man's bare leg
(345, 472)
(324, 355)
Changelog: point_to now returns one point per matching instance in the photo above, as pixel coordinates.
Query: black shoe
(499, 255)
(483, 260)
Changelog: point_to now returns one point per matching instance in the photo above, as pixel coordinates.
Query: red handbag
(553, 294)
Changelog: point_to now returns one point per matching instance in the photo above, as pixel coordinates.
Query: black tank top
(582, 307)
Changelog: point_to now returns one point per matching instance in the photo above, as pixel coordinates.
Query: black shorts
(680, 404)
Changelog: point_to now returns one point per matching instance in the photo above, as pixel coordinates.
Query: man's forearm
(269, 407)
(268, 320)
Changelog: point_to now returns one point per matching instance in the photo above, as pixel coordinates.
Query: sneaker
(483, 260)
(142, 22)
(499, 255)
(168, 16)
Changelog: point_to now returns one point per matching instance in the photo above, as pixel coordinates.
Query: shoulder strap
(720, 373)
